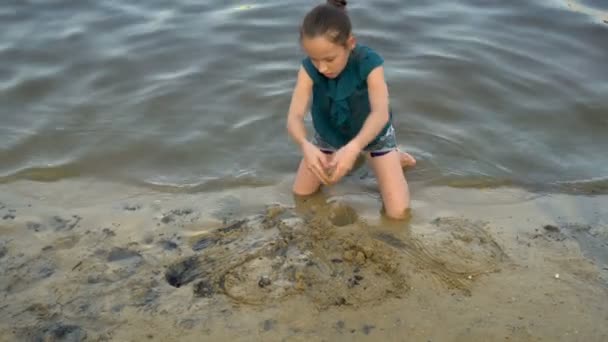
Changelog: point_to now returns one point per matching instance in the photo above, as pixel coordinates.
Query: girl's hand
(343, 161)
(316, 161)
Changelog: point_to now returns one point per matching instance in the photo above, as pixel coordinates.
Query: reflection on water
(189, 96)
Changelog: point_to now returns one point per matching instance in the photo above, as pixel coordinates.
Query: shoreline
(99, 260)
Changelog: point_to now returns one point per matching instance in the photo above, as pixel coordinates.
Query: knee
(397, 212)
(300, 192)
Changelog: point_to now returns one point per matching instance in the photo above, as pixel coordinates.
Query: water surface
(192, 95)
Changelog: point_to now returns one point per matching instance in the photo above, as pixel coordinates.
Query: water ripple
(184, 93)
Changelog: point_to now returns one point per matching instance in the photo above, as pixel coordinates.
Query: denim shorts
(384, 145)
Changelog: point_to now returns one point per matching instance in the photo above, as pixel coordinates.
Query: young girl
(350, 110)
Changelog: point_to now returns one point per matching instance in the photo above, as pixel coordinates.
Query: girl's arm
(314, 158)
(379, 116)
(297, 109)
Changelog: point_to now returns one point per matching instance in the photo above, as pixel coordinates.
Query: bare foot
(407, 160)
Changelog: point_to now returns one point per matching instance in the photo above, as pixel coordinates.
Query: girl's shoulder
(312, 72)
(367, 59)
(362, 61)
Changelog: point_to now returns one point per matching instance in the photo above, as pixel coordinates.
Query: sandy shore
(85, 260)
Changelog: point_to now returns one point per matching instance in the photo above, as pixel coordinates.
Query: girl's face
(328, 57)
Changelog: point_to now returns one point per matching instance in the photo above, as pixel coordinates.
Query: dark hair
(330, 20)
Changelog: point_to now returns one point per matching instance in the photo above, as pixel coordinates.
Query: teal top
(341, 105)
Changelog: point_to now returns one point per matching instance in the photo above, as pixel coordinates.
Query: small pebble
(264, 281)
(367, 329)
(269, 324)
(556, 275)
(551, 228)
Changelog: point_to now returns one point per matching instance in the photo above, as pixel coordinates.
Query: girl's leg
(391, 181)
(306, 182)
(406, 160)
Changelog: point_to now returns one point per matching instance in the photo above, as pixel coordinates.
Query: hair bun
(337, 3)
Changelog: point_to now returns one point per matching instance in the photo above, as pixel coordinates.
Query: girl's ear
(351, 42)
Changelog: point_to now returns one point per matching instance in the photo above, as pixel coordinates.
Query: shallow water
(192, 96)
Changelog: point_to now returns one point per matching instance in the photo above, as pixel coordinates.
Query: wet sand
(85, 260)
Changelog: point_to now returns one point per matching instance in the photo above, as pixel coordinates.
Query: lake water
(189, 96)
